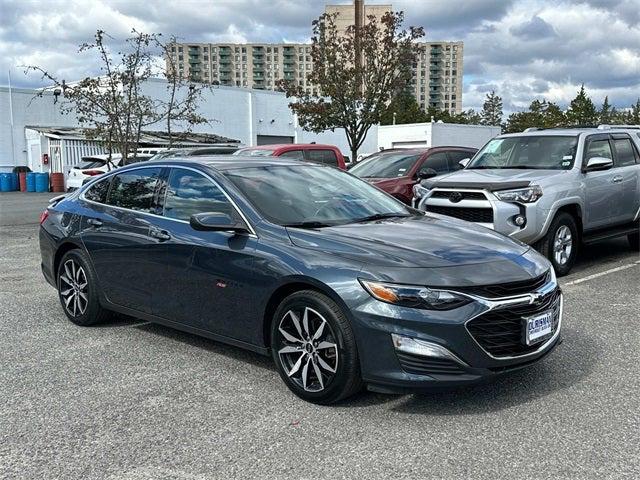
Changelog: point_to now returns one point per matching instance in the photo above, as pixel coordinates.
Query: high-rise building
(436, 81)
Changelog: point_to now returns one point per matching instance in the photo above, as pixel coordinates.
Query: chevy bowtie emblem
(455, 197)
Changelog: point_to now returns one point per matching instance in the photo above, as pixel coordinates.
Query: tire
(562, 224)
(299, 361)
(78, 290)
(634, 241)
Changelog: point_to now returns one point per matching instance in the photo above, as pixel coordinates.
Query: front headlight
(419, 191)
(521, 195)
(414, 296)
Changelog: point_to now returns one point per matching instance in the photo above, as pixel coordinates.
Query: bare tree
(184, 96)
(113, 107)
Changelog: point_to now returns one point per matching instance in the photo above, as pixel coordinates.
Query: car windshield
(254, 153)
(312, 195)
(385, 165)
(551, 152)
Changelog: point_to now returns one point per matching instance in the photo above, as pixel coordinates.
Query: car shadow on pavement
(570, 363)
(236, 353)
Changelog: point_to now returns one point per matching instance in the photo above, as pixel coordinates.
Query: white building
(254, 117)
(434, 134)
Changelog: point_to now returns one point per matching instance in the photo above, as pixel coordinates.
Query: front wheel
(314, 348)
(560, 244)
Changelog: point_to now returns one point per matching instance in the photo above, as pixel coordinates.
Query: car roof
(277, 146)
(567, 132)
(233, 162)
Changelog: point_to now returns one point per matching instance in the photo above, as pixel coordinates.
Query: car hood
(496, 179)
(419, 241)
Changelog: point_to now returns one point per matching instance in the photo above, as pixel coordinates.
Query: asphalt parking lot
(133, 400)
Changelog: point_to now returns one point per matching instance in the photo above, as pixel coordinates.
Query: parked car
(310, 152)
(89, 167)
(340, 283)
(553, 189)
(396, 171)
(96, 165)
(220, 149)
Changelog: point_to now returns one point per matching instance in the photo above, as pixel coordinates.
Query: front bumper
(387, 369)
(499, 215)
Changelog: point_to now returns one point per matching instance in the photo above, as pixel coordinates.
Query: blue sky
(522, 49)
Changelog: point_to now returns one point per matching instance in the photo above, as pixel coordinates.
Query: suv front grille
(477, 215)
(500, 332)
(419, 365)
(508, 289)
(464, 195)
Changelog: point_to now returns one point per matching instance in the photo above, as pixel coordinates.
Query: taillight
(44, 215)
(92, 173)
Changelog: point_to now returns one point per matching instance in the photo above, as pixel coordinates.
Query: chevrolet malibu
(343, 285)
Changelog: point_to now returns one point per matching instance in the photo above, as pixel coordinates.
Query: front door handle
(617, 179)
(161, 235)
(95, 222)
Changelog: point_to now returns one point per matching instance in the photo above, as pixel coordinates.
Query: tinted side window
(456, 156)
(189, 193)
(599, 148)
(135, 189)
(438, 161)
(297, 154)
(625, 153)
(98, 192)
(328, 157)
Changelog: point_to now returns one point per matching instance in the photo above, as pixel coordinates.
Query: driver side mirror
(598, 163)
(426, 172)
(217, 222)
(464, 162)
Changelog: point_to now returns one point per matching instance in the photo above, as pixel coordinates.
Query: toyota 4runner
(553, 189)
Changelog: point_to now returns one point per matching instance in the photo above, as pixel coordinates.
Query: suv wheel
(314, 349)
(77, 289)
(560, 244)
(634, 241)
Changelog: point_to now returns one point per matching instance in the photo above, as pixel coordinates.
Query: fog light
(519, 220)
(422, 348)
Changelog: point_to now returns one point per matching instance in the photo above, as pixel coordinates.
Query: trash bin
(23, 181)
(31, 182)
(57, 182)
(42, 182)
(5, 182)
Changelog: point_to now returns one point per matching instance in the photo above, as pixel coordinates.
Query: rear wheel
(314, 348)
(560, 244)
(78, 290)
(634, 241)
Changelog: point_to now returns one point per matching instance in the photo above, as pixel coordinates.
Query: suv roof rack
(627, 127)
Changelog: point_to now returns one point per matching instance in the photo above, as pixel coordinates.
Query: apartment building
(437, 73)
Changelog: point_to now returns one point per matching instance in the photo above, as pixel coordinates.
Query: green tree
(541, 114)
(582, 111)
(492, 110)
(634, 114)
(605, 114)
(356, 74)
(403, 109)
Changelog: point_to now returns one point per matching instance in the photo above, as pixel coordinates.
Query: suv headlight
(414, 296)
(521, 195)
(419, 191)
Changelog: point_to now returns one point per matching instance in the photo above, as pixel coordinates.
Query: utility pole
(358, 6)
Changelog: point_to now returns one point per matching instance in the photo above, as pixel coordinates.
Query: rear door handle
(159, 234)
(617, 179)
(94, 222)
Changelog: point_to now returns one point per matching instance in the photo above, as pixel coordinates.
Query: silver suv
(549, 188)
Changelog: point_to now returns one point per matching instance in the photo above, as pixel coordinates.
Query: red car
(396, 171)
(310, 152)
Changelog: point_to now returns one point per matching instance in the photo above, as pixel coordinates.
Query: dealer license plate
(538, 327)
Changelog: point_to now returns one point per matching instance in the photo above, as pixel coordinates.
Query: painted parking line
(600, 274)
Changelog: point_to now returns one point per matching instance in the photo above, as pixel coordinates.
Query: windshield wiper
(310, 224)
(380, 216)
